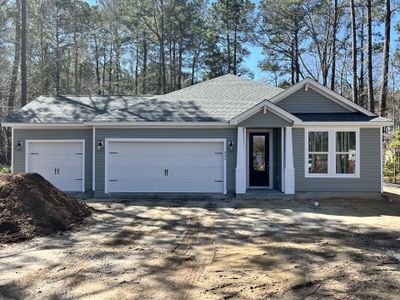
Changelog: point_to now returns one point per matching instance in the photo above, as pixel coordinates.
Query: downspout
(94, 159)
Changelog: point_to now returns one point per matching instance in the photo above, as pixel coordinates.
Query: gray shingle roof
(219, 99)
(333, 117)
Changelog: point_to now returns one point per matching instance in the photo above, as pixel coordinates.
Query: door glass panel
(259, 153)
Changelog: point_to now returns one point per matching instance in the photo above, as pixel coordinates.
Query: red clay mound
(31, 206)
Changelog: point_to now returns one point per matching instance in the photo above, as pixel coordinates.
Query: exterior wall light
(100, 145)
(231, 145)
(19, 145)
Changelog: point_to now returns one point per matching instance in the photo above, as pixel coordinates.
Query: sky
(251, 61)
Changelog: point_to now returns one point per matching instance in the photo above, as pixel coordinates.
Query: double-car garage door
(171, 166)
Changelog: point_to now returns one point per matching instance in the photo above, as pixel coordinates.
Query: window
(345, 152)
(332, 153)
(318, 152)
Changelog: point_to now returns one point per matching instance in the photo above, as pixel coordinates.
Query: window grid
(332, 172)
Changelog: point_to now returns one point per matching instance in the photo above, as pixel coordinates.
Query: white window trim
(271, 157)
(332, 153)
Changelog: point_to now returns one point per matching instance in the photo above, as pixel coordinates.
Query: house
(228, 135)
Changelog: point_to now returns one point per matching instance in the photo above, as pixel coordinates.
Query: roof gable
(311, 101)
(308, 83)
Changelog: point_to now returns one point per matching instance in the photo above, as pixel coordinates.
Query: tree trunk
(96, 45)
(235, 51)
(369, 58)
(362, 61)
(162, 52)
(180, 59)
(16, 60)
(228, 47)
(334, 33)
(385, 67)
(296, 50)
(137, 72)
(144, 71)
(24, 75)
(354, 52)
(110, 62)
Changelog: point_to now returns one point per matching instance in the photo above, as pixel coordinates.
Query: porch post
(241, 162)
(289, 166)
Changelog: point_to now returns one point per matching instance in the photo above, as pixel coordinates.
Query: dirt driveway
(214, 250)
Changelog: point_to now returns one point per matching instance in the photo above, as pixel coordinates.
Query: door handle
(167, 172)
(55, 171)
(58, 171)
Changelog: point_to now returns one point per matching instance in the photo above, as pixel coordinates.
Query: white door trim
(271, 169)
(163, 140)
(27, 142)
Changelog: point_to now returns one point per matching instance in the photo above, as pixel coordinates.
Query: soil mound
(31, 206)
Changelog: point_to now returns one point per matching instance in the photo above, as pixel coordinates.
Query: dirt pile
(31, 206)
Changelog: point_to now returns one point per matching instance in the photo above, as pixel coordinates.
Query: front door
(259, 159)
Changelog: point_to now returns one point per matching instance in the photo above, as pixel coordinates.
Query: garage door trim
(163, 140)
(27, 142)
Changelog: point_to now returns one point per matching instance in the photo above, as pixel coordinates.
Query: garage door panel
(38, 161)
(168, 186)
(55, 148)
(159, 173)
(138, 148)
(133, 161)
(138, 166)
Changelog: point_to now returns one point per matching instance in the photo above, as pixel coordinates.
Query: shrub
(5, 169)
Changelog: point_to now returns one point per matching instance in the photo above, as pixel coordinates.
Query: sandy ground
(215, 250)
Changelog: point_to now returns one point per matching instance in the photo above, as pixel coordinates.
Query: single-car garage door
(60, 162)
(171, 166)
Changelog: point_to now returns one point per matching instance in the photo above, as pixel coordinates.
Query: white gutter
(345, 124)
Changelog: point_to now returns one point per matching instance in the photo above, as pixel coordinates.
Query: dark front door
(259, 159)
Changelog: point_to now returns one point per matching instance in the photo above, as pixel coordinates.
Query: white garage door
(60, 162)
(165, 166)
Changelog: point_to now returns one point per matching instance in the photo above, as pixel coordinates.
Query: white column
(241, 161)
(289, 166)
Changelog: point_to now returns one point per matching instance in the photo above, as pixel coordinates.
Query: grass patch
(5, 169)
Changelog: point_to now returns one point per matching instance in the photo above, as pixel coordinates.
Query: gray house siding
(55, 134)
(310, 102)
(277, 159)
(370, 177)
(226, 133)
(268, 120)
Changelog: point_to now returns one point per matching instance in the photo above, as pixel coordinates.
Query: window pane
(345, 141)
(318, 163)
(345, 163)
(318, 141)
(259, 153)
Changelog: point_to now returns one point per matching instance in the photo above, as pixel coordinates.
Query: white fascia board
(158, 124)
(117, 124)
(44, 126)
(324, 91)
(270, 106)
(343, 124)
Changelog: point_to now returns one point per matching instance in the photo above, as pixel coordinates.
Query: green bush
(5, 169)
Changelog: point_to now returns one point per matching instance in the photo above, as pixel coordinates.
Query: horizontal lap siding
(225, 133)
(267, 120)
(310, 102)
(55, 134)
(370, 169)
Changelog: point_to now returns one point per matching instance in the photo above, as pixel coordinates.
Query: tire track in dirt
(178, 270)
